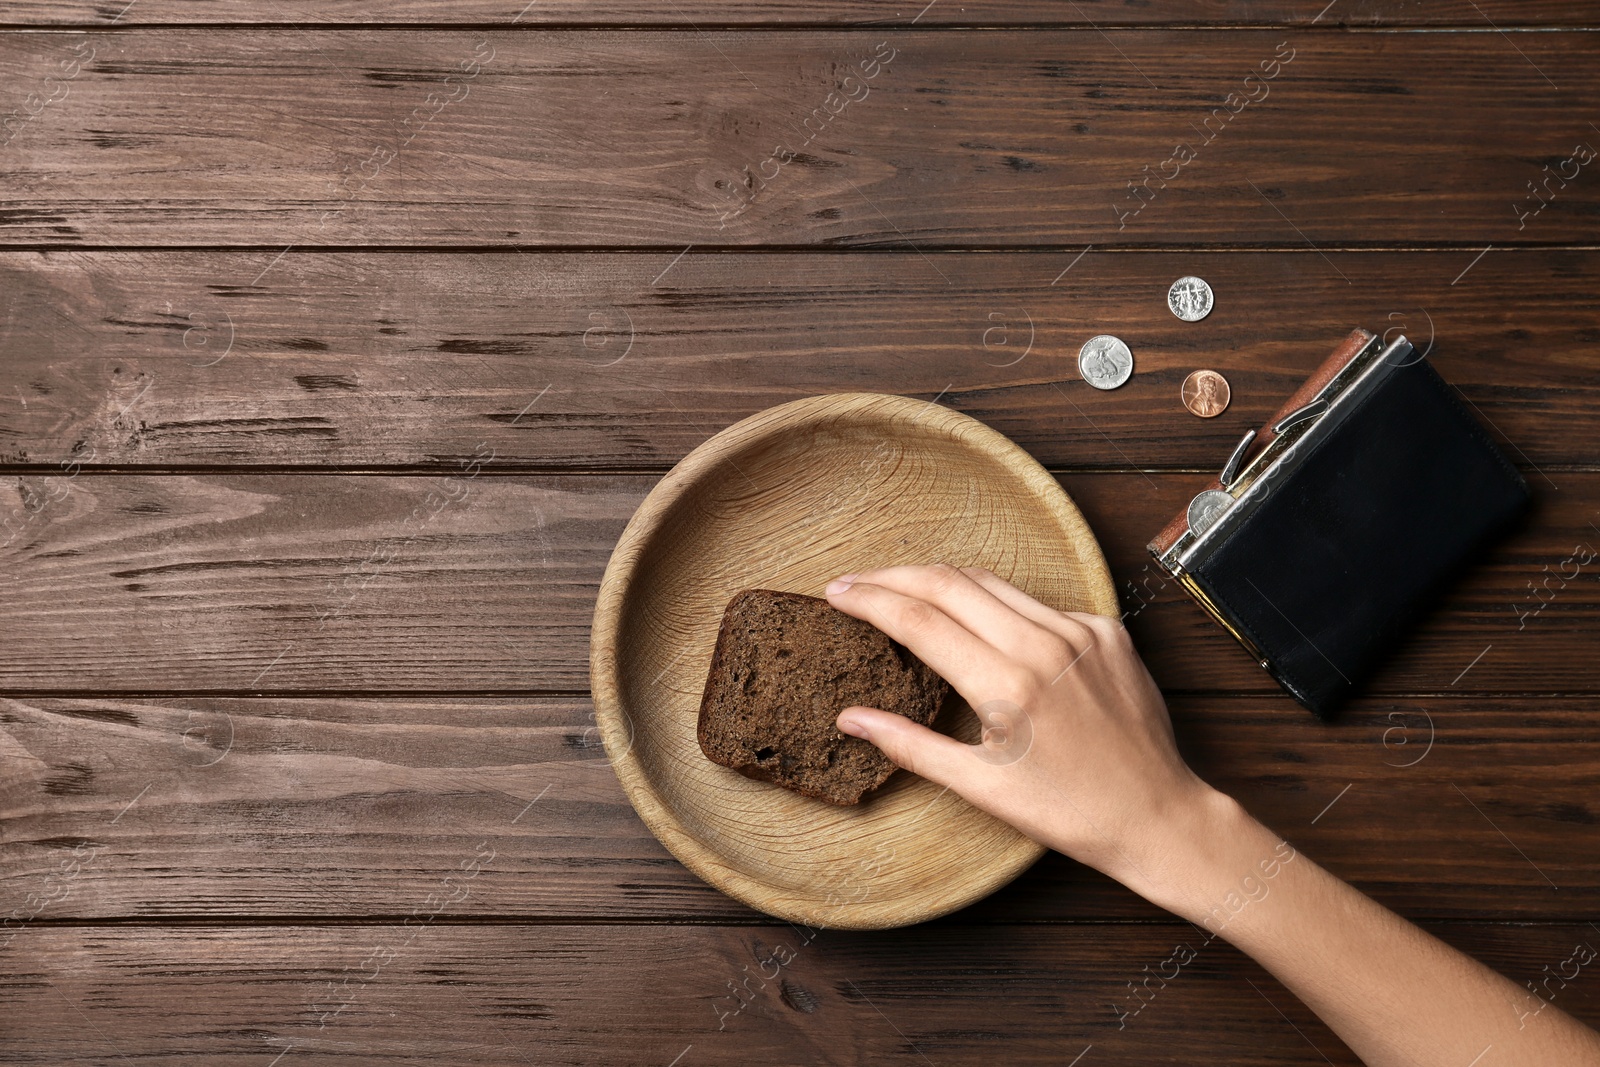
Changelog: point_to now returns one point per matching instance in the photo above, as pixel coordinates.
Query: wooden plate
(788, 499)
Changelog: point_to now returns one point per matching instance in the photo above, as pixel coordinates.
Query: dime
(1206, 508)
(1206, 393)
(1189, 298)
(1105, 362)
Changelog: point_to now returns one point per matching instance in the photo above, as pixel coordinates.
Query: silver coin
(1206, 508)
(1105, 362)
(1190, 298)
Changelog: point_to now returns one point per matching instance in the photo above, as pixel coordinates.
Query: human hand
(1079, 755)
(1078, 751)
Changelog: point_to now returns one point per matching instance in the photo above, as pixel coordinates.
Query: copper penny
(1206, 393)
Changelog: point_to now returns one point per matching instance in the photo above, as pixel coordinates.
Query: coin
(1206, 508)
(1206, 393)
(1189, 298)
(1105, 362)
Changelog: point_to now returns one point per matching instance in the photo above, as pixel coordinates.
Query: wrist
(1210, 855)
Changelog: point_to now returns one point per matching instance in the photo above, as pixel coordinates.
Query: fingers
(974, 606)
(1068, 624)
(1012, 597)
(913, 746)
(976, 669)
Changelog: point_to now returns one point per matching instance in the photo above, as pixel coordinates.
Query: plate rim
(647, 520)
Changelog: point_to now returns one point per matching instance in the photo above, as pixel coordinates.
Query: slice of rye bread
(785, 665)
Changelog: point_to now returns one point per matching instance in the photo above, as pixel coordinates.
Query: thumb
(911, 745)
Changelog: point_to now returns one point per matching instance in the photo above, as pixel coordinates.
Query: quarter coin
(1206, 393)
(1189, 298)
(1105, 361)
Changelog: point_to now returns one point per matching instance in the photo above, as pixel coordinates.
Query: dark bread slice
(785, 665)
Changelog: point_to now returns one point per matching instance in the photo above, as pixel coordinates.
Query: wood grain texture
(1103, 13)
(554, 995)
(234, 808)
(578, 361)
(362, 137)
(299, 762)
(474, 582)
(787, 500)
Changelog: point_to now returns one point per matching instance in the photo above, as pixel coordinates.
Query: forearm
(1395, 994)
(1096, 774)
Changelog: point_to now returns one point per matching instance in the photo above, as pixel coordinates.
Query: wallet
(1333, 528)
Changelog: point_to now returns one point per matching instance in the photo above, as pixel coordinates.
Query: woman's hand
(1078, 750)
(1078, 754)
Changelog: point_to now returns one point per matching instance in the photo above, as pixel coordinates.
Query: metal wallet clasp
(1238, 476)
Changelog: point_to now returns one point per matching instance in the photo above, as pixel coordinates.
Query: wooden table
(341, 340)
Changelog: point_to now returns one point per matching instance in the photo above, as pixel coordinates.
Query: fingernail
(852, 726)
(839, 584)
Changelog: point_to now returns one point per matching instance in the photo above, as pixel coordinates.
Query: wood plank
(258, 807)
(944, 994)
(314, 583)
(582, 360)
(1102, 13)
(290, 138)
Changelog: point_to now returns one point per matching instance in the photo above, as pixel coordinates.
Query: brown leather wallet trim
(1347, 350)
(1335, 363)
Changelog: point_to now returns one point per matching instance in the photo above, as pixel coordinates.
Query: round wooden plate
(789, 499)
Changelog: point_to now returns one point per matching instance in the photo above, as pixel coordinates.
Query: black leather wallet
(1332, 528)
